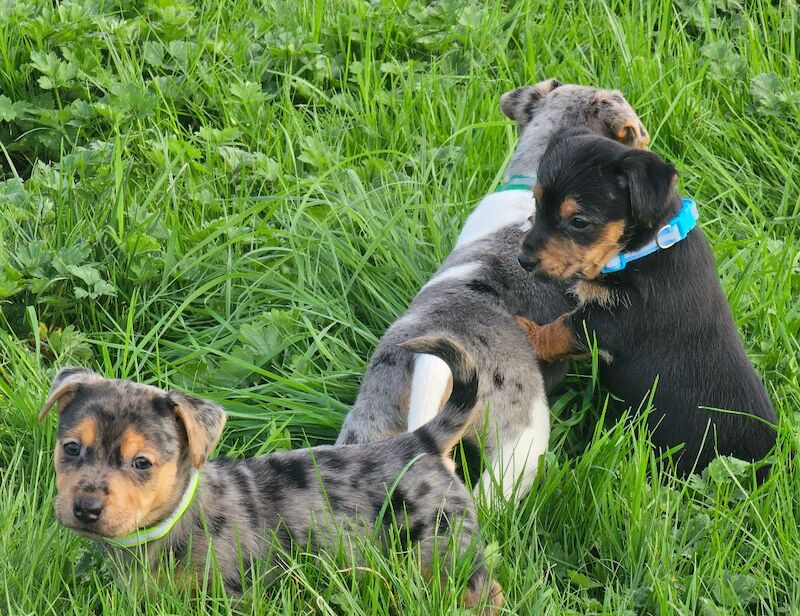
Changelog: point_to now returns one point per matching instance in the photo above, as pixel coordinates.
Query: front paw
(533, 332)
(552, 341)
(528, 326)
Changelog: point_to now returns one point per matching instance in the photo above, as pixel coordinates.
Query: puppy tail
(445, 430)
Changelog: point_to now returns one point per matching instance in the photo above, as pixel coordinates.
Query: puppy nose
(527, 261)
(87, 509)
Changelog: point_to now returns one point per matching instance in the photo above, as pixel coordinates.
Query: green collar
(518, 182)
(146, 535)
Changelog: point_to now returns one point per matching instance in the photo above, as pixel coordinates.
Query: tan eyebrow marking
(85, 431)
(132, 443)
(569, 207)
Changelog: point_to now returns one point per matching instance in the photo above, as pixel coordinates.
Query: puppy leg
(553, 341)
(483, 593)
(517, 458)
(430, 387)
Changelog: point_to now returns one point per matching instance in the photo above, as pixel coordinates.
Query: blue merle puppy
(476, 293)
(132, 471)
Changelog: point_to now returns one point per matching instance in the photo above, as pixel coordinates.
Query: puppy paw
(485, 598)
(532, 331)
(552, 341)
(495, 600)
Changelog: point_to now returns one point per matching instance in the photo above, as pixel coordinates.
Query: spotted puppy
(475, 294)
(610, 220)
(132, 470)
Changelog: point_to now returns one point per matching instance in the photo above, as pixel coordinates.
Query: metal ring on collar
(667, 240)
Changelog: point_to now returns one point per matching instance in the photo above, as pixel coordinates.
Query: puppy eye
(72, 449)
(141, 463)
(578, 222)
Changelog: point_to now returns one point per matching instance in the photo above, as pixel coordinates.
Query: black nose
(87, 509)
(527, 261)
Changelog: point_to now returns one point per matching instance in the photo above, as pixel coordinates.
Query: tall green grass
(237, 198)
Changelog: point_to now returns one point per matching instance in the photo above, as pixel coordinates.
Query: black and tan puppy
(131, 472)
(609, 218)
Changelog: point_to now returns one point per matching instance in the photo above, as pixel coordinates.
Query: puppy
(610, 220)
(132, 470)
(475, 294)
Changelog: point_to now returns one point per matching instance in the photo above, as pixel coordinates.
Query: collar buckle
(668, 236)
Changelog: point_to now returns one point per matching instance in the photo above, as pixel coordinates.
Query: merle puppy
(475, 294)
(609, 219)
(132, 473)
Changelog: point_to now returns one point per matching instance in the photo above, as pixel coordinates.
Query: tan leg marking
(552, 341)
(493, 599)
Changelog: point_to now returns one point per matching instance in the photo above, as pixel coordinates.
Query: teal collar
(518, 182)
(146, 535)
(669, 235)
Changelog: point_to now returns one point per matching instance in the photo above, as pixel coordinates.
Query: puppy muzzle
(87, 509)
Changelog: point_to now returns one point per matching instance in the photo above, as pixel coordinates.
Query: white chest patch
(496, 211)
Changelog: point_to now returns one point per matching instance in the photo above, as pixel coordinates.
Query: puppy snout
(527, 261)
(87, 509)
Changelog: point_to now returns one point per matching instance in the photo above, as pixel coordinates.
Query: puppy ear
(64, 386)
(651, 183)
(520, 104)
(619, 120)
(203, 422)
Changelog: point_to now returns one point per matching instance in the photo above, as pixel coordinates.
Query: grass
(237, 198)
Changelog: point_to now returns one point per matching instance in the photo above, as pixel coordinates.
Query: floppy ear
(203, 422)
(651, 183)
(64, 386)
(520, 104)
(619, 120)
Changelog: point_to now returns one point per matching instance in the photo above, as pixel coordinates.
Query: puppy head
(595, 198)
(547, 107)
(125, 450)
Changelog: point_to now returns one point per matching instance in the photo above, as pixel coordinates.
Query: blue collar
(518, 182)
(669, 235)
